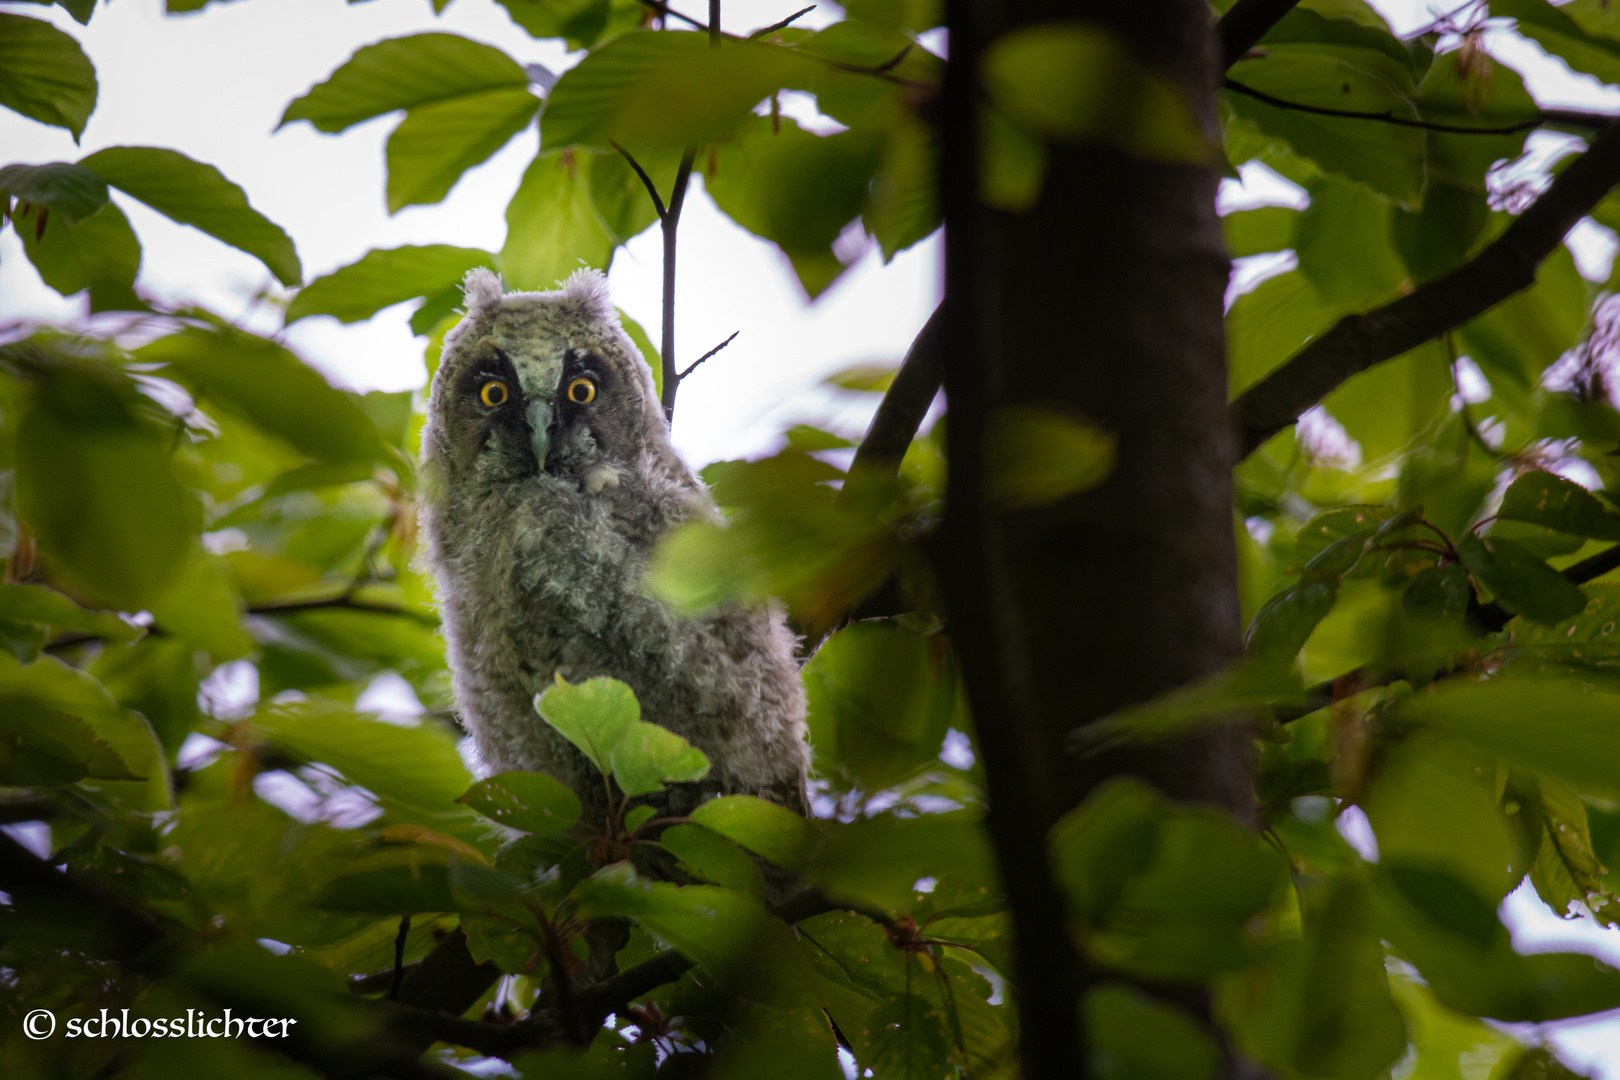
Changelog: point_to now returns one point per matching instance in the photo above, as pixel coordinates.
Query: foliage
(195, 505)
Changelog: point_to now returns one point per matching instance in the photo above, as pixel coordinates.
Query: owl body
(549, 480)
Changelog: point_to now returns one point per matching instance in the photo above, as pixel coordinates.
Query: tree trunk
(1105, 299)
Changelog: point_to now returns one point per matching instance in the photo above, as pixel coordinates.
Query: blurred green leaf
(198, 195)
(1036, 456)
(712, 857)
(531, 802)
(95, 483)
(38, 604)
(725, 931)
(880, 699)
(405, 879)
(664, 88)
(580, 23)
(1076, 82)
(1257, 231)
(879, 860)
(271, 386)
(1343, 244)
(905, 1038)
(644, 345)
(1012, 163)
(404, 73)
(44, 75)
(1268, 324)
(1563, 35)
(386, 276)
(70, 190)
(41, 747)
(1135, 1037)
(764, 828)
(1386, 158)
(794, 188)
(1515, 341)
(904, 205)
(592, 715)
(646, 757)
(552, 228)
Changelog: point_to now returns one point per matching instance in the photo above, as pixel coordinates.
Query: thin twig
(1245, 23)
(708, 354)
(775, 26)
(399, 956)
(671, 223)
(890, 65)
(652, 189)
(665, 10)
(1558, 116)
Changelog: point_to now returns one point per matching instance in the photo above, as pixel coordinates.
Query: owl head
(540, 382)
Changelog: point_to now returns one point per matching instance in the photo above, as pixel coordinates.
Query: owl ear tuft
(482, 290)
(589, 289)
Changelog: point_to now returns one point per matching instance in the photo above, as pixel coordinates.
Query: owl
(548, 479)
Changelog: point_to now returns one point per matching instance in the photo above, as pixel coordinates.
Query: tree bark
(1106, 300)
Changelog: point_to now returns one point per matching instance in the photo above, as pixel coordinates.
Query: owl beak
(539, 415)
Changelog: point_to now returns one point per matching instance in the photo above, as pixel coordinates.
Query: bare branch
(646, 181)
(1357, 342)
(671, 222)
(765, 31)
(1245, 23)
(1557, 116)
(708, 354)
(667, 11)
(906, 401)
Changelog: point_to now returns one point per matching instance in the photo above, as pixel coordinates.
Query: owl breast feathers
(549, 477)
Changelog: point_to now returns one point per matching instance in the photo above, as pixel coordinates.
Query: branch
(646, 181)
(1357, 342)
(708, 354)
(765, 31)
(1245, 23)
(906, 401)
(671, 222)
(1569, 117)
(667, 11)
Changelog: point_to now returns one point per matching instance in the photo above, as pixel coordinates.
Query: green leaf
(724, 931)
(1556, 31)
(1076, 82)
(99, 253)
(1012, 163)
(1036, 456)
(880, 699)
(581, 23)
(38, 604)
(404, 73)
(879, 860)
(1389, 405)
(904, 207)
(386, 276)
(198, 195)
(1543, 498)
(531, 802)
(44, 75)
(55, 685)
(1257, 231)
(1285, 622)
(408, 879)
(1566, 868)
(1268, 325)
(202, 607)
(1343, 244)
(711, 857)
(592, 715)
(94, 482)
(552, 227)
(1515, 341)
(1441, 235)
(905, 1038)
(796, 189)
(1135, 1037)
(41, 747)
(440, 140)
(273, 388)
(665, 88)
(1520, 582)
(1440, 592)
(1386, 158)
(70, 190)
(764, 828)
(1471, 89)
(646, 757)
(1544, 725)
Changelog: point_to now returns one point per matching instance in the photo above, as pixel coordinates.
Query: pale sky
(214, 84)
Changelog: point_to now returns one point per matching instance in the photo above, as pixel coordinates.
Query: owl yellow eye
(582, 391)
(493, 394)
